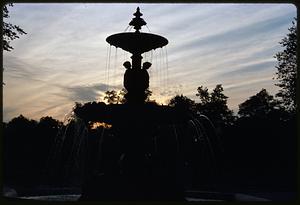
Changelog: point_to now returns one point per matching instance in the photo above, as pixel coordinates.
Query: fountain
(148, 139)
(136, 77)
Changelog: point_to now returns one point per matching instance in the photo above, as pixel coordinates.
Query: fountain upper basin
(136, 42)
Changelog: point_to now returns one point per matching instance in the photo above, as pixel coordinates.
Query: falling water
(164, 69)
(143, 58)
(206, 139)
(73, 166)
(207, 158)
(125, 55)
(159, 70)
(67, 155)
(148, 28)
(160, 67)
(213, 129)
(126, 28)
(151, 61)
(167, 67)
(108, 56)
(116, 66)
(154, 70)
(70, 149)
(209, 143)
(52, 164)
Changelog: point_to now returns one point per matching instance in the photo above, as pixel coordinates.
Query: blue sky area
(64, 58)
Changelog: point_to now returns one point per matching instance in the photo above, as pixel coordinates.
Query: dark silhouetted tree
(214, 105)
(112, 97)
(20, 155)
(287, 69)
(121, 95)
(50, 123)
(27, 148)
(204, 95)
(182, 102)
(10, 31)
(256, 142)
(47, 129)
(260, 104)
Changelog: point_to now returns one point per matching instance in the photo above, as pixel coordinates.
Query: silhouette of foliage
(10, 31)
(47, 128)
(27, 146)
(214, 105)
(50, 123)
(111, 97)
(260, 104)
(203, 94)
(114, 97)
(19, 156)
(182, 102)
(121, 95)
(257, 153)
(287, 69)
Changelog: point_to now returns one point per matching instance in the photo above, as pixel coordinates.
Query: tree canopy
(260, 104)
(10, 31)
(214, 105)
(116, 97)
(287, 69)
(182, 102)
(112, 97)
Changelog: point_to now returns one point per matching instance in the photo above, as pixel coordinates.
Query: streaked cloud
(64, 57)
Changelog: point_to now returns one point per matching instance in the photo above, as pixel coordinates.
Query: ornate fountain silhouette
(136, 77)
(152, 140)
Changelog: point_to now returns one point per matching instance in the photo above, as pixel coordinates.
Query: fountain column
(136, 61)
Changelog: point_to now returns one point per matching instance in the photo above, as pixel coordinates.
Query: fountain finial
(138, 13)
(137, 22)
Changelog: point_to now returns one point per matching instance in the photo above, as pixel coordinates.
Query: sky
(64, 57)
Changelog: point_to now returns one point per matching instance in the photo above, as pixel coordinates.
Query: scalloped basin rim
(137, 43)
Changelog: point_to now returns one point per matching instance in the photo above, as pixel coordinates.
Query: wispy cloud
(84, 93)
(64, 57)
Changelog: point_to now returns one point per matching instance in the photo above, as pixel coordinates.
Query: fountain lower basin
(123, 113)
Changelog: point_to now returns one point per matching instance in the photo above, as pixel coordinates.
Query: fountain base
(150, 164)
